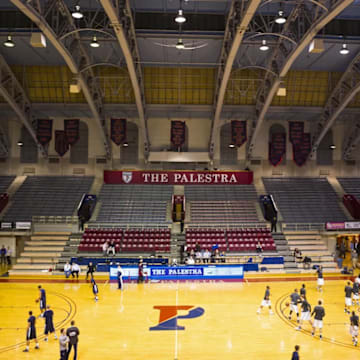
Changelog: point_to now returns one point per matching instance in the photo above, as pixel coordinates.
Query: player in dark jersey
(303, 291)
(266, 301)
(348, 293)
(95, 289)
(319, 313)
(48, 315)
(305, 312)
(354, 327)
(119, 276)
(42, 299)
(31, 332)
(356, 293)
(294, 301)
(320, 280)
(141, 271)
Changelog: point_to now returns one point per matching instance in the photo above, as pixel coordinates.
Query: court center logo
(127, 176)
(168, 317)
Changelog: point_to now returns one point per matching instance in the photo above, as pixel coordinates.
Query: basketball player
(354, 327)
(141, 271)
(356, 293)
(294, 300)
(320, 280)
(348, 293)
(31, 332)
(95, 289)
(266, 301)
(42, 299)
(305, 312)
(303, 291)
(319, 313)
(48, 315)
(119, 276)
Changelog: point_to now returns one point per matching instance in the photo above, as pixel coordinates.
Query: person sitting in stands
(259, 248)
(190, 261)
(307, 262)
(206, 256)
(297, 255)
(222, 256)
(198, 256)
(105, 247)
(111, 248)
(217, 256)
(75, 270)
(67, 270)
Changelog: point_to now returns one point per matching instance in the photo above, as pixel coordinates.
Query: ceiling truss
(303, 23)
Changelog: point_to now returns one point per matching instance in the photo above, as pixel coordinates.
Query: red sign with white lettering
(179, 177)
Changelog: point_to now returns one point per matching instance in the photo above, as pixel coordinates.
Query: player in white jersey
(354, 327)
(266, 301)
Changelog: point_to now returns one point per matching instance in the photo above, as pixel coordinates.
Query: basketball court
(219, 321)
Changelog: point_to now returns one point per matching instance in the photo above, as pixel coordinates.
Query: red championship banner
(302, 150)
(71, 127)
(177, 133)
(118, 131)
(277, 148)
(44, 131)
(61, 142)
(296, 131)
(178, 177)
(238, 132)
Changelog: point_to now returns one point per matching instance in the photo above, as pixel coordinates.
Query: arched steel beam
(345, 90)
(240, 15)
(15, 96)
(87, 30)
(54, 19)
(352, 141)
(302, 24)
(119, 13)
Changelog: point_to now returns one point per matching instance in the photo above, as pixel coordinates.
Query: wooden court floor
(220, 321)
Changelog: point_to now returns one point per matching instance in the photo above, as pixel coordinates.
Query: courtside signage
(178, 177)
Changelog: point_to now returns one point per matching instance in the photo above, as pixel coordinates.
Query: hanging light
(344, 50)
(94, 43)
(280, 19)
(77, 14)
(125, 144)
(264, 46)
(180, 18)
(231, 146)
(332, 147)
(20, 143)
(180, 45)
(9, 43)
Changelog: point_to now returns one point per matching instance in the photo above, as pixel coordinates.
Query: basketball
(37, 300)
(287, 304)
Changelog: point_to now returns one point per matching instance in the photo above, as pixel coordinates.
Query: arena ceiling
(137, 71)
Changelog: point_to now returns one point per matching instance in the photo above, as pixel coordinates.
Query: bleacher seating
(5, 182)
(234, 240)
(130, 240)
(305, 200)
(221, 204)
(47, 196)
(134, 204)
(351, 185)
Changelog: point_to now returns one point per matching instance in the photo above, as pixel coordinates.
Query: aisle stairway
(41, 253)
(311, 244)
(283, 249)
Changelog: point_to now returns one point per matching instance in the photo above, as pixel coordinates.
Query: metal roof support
(54, 20)
(119, 13)
(345, 90)
(304, 22)
(240, 15)
(15, 96)
(351, 141)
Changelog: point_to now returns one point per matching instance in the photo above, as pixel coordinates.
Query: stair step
(35, 260)
(45, 243)
(44, 248)
(44, 266)
(50, 238)
(41, 254)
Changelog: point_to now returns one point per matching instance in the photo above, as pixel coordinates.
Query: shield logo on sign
(127, 176)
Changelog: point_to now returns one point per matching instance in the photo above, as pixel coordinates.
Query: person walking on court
(305, 312)
(31, 332)
(95, 289)
(73, 334)
(119, 276)
(354, 328)
(356, 293)
(303, 291)
(141, 271)
(3, 255)
(319, 313)
(320, 280)
(48, 315)
(295, 354)
(42, 299)
(90, 270)
(294, 301)
(348, 293)
(266, 301)
(63, 341)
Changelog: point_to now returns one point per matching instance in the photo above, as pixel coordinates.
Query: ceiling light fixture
(180, 45)
(332, 147)
(77, 14)
(20, 143)
(180, 18)
(344, 50)
(264, 47)
(280, 19)
(9, 43)
(125, 144)
(94, 43)
(231, 146)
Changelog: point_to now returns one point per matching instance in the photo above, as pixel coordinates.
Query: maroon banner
(71, 127)
(44, 131)
(118, 131)
(177, 133)
(335, 226)
(61, 142)
(238, 132)
(178, 177)
(302, 150)
(277, 148)
(296, 131)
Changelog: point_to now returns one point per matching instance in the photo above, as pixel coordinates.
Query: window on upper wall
(29, 149)
(79, 152)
